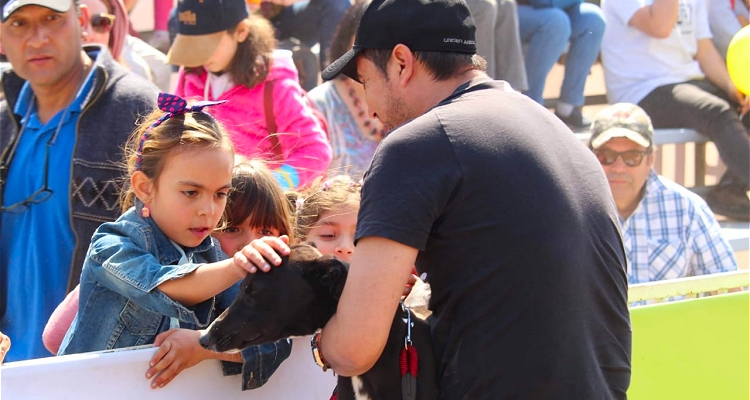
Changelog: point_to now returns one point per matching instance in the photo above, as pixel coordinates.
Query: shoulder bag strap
(271, 120)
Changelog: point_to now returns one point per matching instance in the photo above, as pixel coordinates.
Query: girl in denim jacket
(156, 267)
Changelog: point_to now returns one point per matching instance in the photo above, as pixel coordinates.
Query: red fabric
(409, 361)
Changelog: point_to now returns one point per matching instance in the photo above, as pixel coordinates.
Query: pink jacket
(306, 149)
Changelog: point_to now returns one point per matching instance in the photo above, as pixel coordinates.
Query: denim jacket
(120, 305)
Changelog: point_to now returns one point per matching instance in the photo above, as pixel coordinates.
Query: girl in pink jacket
(227, 54)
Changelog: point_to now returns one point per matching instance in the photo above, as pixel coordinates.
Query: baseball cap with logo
(200, 26)
(422, 25)
(622, 120)
(10, 6)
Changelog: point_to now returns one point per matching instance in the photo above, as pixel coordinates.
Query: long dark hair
(252, 61)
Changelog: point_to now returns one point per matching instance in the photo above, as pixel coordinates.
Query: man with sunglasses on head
(668, 231)
(67, 113)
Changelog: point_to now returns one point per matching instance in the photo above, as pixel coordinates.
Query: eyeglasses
(631, 158)
(40, 195)
(102, 22)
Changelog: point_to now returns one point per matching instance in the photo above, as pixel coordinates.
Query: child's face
(223, 55)
(234, 238)
(334, 232)
(191, 193)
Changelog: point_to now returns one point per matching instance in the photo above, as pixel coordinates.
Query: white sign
(120, 375)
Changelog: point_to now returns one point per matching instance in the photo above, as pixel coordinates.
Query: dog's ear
(330, 273)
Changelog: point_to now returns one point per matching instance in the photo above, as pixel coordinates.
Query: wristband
(316, 351)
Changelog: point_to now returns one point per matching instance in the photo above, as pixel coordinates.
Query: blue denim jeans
(545, 32)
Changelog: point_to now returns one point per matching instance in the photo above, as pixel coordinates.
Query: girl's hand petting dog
(179, 350)
(251, 257)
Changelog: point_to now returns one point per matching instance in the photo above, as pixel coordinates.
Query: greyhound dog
(298, 298)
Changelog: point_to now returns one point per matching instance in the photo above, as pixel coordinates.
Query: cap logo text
(457, 40)
(187, 17)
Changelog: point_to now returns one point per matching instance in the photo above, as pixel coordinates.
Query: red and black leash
(409, 361)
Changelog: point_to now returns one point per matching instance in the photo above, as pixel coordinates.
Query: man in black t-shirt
(496, 200)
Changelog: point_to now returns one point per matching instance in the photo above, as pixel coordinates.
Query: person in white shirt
(659, 54)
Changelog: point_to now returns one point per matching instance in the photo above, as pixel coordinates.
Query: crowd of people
(424, 145)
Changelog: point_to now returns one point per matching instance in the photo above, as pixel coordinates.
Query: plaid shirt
(673, 234)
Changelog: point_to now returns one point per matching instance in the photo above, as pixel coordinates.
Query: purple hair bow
(172, 105)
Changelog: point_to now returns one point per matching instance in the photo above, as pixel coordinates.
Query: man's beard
(398, 112)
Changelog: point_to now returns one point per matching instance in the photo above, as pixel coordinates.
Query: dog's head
(293, 299)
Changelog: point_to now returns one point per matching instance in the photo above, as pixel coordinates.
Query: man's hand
(178, 350)
(4, 346)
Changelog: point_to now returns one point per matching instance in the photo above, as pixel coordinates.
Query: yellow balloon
(738, 60)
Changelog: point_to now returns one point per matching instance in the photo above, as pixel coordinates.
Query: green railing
(698, 348)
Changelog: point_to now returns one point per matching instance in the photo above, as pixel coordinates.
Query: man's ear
(651, 158)
(143, 186)
(402, 63)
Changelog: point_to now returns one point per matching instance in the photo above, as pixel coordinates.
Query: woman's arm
(60, 320)
(303, 141)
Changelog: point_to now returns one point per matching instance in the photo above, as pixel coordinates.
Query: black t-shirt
(518, 233)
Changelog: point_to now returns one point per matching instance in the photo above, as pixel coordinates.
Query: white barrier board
(120, 375)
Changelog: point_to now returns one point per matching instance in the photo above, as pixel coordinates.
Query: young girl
(326, 215)
(256, 208)
(156, 267)
(230, 56)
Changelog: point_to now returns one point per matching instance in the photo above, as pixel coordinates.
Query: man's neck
(627, 208)
(437, 91)
(50, 99)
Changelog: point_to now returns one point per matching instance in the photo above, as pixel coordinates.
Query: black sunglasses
(102, 22)
(631, 158)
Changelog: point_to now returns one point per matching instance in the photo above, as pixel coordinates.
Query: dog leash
(409, 361)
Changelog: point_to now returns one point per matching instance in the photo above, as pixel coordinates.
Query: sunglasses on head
(631, 158)
(102, 22)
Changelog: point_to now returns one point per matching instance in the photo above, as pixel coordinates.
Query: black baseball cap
(200, 25)
(10, 6)
(422, 25)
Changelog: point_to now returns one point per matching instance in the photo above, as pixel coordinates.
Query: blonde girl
(326, 215)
